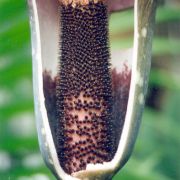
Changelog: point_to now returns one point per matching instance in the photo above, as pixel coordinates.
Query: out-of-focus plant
(156, 155)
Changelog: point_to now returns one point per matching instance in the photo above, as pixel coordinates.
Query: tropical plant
(156, 155)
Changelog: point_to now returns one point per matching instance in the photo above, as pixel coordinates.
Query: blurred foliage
(156, 155)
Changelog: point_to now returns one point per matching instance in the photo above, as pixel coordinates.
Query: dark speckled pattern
(86, 106)
(84, 92)
(120, 91)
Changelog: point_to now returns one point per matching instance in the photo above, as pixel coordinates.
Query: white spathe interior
(49, 34)
(47, 54)
(121, 58)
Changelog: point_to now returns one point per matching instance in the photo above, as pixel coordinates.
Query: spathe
(45, 41)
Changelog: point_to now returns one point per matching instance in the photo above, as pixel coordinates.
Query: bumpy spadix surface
(84, 91)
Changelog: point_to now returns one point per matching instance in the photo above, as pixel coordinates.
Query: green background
(156, 155)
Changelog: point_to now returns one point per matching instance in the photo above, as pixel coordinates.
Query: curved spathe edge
(140, 72)
(47, 146)
(144, 18)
